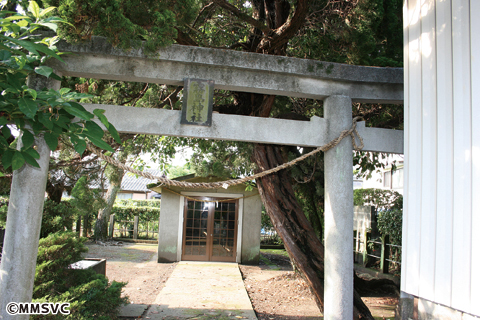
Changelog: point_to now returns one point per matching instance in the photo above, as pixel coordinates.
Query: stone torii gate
(337, 85)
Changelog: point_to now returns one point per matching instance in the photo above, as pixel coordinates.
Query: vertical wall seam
(434, 10)
(471, 151)
(437, 171)
(406, 111)
(420, 191)
(453, 160)
(475, 98)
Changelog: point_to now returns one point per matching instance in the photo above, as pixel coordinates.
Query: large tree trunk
(86, 225)
(287, 216)
(54, 192)
(315, 215)
(101, 224)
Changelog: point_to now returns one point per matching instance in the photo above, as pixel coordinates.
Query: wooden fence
(369, 247)
(377, 252)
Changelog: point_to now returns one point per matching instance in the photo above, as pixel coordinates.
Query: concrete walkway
(199, 290)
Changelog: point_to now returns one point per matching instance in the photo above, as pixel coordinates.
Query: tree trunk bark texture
(287, 216)
(101, 224)
(86, 226)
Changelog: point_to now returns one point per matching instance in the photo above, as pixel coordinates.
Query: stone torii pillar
(338, 304)
(24, 219)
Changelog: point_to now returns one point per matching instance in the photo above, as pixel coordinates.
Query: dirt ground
(275, 290)
(137, 265)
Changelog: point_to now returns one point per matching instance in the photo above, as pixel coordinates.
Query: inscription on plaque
(197, 102)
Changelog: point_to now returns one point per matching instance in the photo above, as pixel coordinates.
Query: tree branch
(243, 16)
(136, 98)
(208, 6)
(285, 32)
(169, 98)
(72, 162)
(185, 39)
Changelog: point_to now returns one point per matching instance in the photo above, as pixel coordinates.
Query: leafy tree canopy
(85, 200)
(126, 23)
(35, 110)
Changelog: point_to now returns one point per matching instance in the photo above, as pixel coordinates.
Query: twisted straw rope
(210, 201)
(225, 184)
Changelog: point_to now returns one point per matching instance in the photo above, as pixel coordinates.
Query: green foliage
(266, 222)
(389, 222)
(367, 163)
(5, 184)
(125, 23)
(179, 171)
(389, 206)
(56, 217)
(224, 159)
(380, 198)
(85, 200)
(35, 112)
(3, 211)
(146, 95)
(154, 203)
(362, 33)
(280, 252)
(55, 253)
(89, 294)
(270, 236)
(145, 214)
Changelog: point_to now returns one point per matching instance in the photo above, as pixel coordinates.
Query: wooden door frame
(238, 257)
(208, 239)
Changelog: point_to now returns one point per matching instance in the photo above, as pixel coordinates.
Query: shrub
(56, 217)
(145, 214)
(389, 206)
(3, 211)
(89, 294)
(380, 198)
(389, 222)
(268, 234)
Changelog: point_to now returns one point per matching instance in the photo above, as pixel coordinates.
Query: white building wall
(441, 236)
(376, 181)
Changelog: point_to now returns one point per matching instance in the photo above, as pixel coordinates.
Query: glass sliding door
(224, 231)
(210, 229)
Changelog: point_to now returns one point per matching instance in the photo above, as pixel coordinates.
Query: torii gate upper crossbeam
(233, 70)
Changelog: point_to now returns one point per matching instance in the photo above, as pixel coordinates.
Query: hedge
(139, 203)
(145, 214)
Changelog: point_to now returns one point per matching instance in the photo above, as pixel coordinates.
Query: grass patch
(196, 314)
(269, 263)
(282, 252)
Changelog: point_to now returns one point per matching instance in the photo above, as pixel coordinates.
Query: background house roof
(131, 182)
